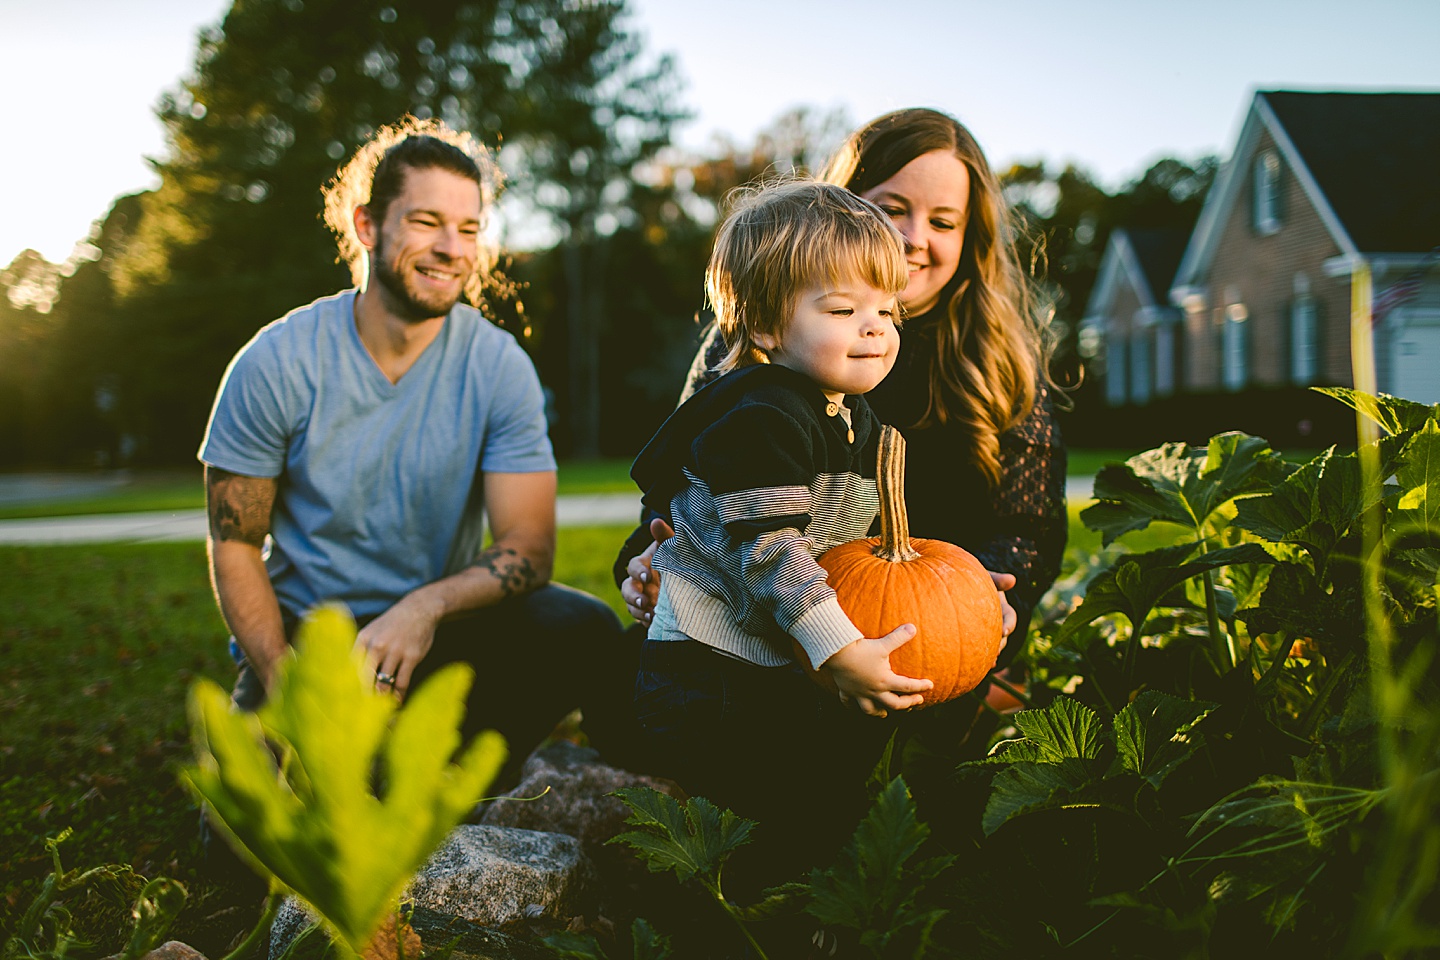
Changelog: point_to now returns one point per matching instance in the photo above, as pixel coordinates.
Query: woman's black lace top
(1017, 527)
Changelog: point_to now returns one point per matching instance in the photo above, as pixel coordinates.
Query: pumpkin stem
(890, 477)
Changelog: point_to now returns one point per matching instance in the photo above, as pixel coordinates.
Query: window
(1266, 192)
(1140, 366)
(1304, 356)
(1233, 347)
(1115, 370)
(1164, 359)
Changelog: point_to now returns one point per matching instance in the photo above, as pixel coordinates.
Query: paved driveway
(170, 525)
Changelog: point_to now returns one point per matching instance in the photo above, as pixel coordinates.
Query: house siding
(1121, 326)
(1261, 269)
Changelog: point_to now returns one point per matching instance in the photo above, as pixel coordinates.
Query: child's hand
(862, 674)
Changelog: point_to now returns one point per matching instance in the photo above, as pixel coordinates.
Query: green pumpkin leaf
(649, 945)
(693, 839)
(1135, 585)
(1295, 602)
(314, 822)
(1028, 787)
(873, 887)
(1154, 734)
(1064, 730)
(1417, 512)
(156, 910)
(575, 946)
(1180, 484)
(1394, 414)
(1316, 505)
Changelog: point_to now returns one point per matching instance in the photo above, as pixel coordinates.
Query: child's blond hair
(781, 238)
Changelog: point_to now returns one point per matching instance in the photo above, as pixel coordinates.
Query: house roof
(1374, 156)
(1159, 251)
(1148, 258)
(1364, 160)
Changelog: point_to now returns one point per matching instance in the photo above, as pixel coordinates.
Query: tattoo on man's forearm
(239, 506)
(515, 572)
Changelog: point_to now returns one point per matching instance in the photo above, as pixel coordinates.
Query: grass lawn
(98, 646)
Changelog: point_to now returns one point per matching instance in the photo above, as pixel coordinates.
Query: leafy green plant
(876, 888)
(313, 821)
(1192, 488)
(1069, 757)
(45, 929)
(694, 839)
(1313, 669)
(648, 945)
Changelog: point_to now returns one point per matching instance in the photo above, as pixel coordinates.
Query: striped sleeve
(758, 462)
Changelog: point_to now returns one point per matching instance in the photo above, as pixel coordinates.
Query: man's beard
(406, 302)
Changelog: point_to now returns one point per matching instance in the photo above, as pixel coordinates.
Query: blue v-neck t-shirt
(380, 483)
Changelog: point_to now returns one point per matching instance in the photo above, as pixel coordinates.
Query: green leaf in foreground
(1418, 508)
(1136, 584)
(1394, 414)
(1155, 733)
(315, 824)
(649, 945)
(1180, 484)
(873, 888)
(693, 839)
(1027, 787)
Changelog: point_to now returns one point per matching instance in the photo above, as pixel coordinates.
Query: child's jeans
(766, 742)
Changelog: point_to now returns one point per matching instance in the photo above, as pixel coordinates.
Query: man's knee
(557, 606)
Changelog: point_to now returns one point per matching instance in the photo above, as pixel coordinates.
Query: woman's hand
(862, 674)
(1003, 582)
(641, 588)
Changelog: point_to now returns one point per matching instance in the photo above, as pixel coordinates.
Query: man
(366, 433)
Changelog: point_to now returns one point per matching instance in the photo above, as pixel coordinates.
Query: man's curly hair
(375, 175)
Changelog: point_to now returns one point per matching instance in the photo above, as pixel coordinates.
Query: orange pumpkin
(885, 581)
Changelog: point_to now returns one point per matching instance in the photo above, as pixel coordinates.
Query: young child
(760, 473)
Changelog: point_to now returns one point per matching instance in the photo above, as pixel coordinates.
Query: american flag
(1402, 291)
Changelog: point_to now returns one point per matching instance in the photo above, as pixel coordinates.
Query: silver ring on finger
(384, 679)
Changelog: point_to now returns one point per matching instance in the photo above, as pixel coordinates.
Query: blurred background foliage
(112, 358)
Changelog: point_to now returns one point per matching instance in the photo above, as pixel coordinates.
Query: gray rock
(493, 875)
(578, 801)
(170, 950)
(436, 930)
(292, 919)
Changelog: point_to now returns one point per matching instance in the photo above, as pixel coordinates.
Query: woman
(970, 390)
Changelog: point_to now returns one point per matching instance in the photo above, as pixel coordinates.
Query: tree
(284, 90)
(1065, 223)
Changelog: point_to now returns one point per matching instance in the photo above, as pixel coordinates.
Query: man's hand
(395, 642)
(641, 589)
(862, 674)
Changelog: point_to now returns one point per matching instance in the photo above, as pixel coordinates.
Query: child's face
(842, 336)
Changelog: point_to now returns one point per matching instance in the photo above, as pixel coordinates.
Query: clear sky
(1109, 84)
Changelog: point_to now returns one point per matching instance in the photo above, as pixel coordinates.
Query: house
(1130, 308)
(1319, 187)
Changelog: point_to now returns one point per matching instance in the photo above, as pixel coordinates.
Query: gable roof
(1375, 157)
(1148, 258)
(1159, 251)
(1364, 160)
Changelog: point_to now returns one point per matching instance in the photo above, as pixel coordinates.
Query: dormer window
(1266, 199)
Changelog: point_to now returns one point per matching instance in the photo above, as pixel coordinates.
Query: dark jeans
(536, 656)
(767, 742)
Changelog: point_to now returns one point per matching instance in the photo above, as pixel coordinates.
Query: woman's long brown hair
(992, 354)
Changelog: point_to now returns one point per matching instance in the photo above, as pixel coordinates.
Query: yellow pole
(1362, 346)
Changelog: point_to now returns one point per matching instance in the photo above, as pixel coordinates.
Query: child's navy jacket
(759, 476)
